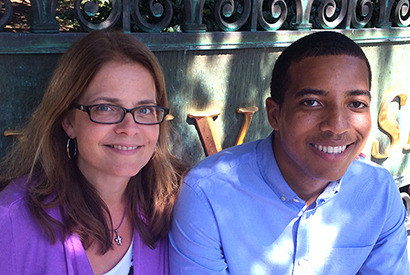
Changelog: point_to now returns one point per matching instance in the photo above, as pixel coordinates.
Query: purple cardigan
(24, 249)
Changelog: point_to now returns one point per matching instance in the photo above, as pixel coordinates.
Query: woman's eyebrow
(117, 101)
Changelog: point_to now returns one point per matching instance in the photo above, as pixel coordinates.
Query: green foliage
(65, 16)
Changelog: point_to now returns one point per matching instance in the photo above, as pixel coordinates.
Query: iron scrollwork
(365, 7)
(158, 11)
(8, 12)
(226, 9)
(91, 8)
(278, 11)
(402, 13)
(328, 17)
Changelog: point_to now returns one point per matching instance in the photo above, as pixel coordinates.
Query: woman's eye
(310, 103)
(145, 110)
(103, 108)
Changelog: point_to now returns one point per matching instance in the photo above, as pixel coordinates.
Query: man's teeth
(331, 149)
(119, 147)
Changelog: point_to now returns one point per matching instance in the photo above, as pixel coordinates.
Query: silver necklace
(118, 238)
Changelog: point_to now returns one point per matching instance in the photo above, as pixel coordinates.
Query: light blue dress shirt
(235, 214)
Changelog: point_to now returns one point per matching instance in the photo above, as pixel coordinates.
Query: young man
(297, 202)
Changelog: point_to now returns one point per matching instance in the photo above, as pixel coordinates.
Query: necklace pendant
(118, 238)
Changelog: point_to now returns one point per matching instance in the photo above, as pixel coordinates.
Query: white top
(125, 264)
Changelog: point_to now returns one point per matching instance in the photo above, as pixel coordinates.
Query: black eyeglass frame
(87, 108)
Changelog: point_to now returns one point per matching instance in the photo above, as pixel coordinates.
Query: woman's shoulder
(13, 195)
(14, 210)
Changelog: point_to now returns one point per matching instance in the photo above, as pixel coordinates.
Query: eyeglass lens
(105, 113)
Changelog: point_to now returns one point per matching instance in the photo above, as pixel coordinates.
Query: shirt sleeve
(389, 256)
(194, 237)
(6, 243)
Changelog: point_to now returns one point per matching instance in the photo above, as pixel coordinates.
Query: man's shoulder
(370, 174)
(365, 168)
(224, 161)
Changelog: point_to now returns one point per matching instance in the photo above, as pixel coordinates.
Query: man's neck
(305, 186)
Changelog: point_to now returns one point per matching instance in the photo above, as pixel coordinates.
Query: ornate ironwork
(227, 8)
(328, 17)
(193, 16)
(303, 8)
(229, 15)
(402, 13)
(278, 11)
(365, 7)
(44, 16)
(159, 12)
(90, 8)
(8, 12)
(385, 7)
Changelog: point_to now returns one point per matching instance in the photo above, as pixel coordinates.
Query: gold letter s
(388, 124)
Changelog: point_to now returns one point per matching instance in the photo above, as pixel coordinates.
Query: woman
(90, 187)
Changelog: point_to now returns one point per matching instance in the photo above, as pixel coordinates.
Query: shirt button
(283, 198)
(295, 200)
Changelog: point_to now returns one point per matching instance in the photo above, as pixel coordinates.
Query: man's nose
(335, 120)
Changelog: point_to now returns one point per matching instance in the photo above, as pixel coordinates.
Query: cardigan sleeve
(7, 256)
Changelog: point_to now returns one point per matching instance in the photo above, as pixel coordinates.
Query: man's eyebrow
(307, 91)
(360, 92)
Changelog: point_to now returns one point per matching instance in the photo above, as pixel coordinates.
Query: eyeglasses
(112, 114)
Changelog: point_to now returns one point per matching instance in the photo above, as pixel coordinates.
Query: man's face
(324, 121)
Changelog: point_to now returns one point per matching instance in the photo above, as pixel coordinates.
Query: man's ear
(67, 124)
(273, 111)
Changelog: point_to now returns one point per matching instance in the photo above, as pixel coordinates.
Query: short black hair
(316, 44)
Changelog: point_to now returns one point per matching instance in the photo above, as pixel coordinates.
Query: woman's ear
(273, 112)
(67, 124)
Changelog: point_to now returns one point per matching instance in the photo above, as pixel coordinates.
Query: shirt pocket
(346, 260)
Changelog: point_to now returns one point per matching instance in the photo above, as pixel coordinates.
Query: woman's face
(114, 151)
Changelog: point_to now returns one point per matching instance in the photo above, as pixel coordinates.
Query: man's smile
(330, 149)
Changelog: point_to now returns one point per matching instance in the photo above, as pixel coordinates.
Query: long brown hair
(55, 180)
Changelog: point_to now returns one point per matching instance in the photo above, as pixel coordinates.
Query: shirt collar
(271, 173)
(331, 189)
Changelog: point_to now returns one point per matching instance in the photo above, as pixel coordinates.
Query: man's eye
(311, 103)
(358, 105)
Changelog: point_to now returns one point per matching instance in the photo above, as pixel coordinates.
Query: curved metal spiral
(159, 10)
(366, 10)
(8, 12)
(91, 8)
(327, 10)
(225, 9)
(278, 10)
(402, 13)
